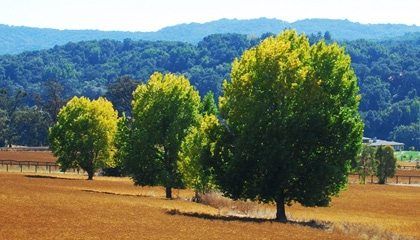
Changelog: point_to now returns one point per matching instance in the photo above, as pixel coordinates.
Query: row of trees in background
(287, 130)
(376, 161)
(387, 71)
(24, 125)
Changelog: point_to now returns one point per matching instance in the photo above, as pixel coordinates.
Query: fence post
(36, 168)
(20, 167)
(7, 167)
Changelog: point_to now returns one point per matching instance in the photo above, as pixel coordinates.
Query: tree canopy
(291, 111)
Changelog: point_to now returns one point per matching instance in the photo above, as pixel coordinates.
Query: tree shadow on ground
(312, 223)
(120, 194)
(52, 177)
(130, 194)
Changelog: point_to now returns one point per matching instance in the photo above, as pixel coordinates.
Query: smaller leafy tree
(386, 163)
(197, 151)
(366, 164)
(83, 136)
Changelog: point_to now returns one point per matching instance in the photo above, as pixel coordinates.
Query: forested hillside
(388, 72)
(18, 39)
(86, 68)
(389, 79)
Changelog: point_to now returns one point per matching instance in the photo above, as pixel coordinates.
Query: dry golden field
(68, 207)
(40, 156)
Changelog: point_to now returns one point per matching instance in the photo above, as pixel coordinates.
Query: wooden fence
(397, 179)
(409, 167)
(23, 149)
(25, 166)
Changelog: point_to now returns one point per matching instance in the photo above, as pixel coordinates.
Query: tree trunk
(168, 192)
(364, 176)
(281, 211)
(90, 174)
(197, 197)
(381, 180)
(89, 166)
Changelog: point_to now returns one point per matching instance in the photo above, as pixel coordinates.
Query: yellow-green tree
(83, 136)
(292, 120)
(197, 152)
(164, 109)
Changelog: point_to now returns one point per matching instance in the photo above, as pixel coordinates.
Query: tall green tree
(197, 152)
(83, 136)
(291, 113)
(164, 109)
(386, 163)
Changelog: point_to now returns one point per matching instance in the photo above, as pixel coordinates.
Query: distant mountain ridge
(19, 39)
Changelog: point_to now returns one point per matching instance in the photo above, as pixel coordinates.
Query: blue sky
(138, 15)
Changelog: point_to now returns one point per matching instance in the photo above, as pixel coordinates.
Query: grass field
(407, 155)
(67, 207)
(41, 156)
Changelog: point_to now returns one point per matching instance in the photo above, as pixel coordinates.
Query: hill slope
(388, 73)
(19, 39)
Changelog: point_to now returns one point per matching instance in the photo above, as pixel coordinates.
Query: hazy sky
(139, 15)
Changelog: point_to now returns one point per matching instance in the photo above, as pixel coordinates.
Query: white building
(378, 142)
